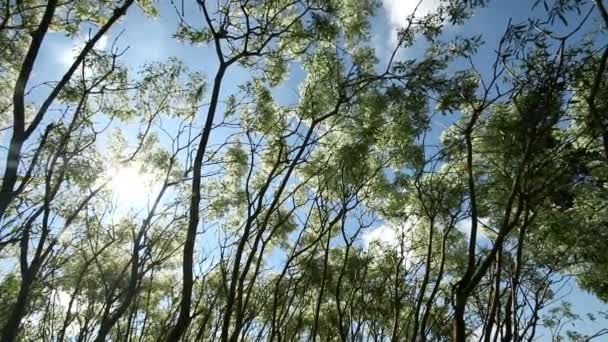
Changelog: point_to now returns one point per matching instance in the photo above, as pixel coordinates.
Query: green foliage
(345, 213)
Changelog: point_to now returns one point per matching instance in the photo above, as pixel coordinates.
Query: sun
(131, 186)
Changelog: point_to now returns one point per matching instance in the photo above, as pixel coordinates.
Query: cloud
(394, 238)
(68, 54)
(102, 43)
(389, 235)
(465, 227)
(397, 11)
(385, 235)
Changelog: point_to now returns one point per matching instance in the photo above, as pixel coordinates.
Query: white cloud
(102, 43)
(67, 55)
(465, 227)
(394, 238)
(397, 11)
(390, 236)
(62, 298)
(385, 235)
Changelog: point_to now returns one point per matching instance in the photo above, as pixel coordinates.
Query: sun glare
(130, 186)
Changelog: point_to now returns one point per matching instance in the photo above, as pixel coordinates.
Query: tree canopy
(307, 184)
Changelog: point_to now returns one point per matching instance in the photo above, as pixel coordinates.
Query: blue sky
(150, 39)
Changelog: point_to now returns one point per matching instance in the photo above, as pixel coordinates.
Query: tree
(340, 213)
